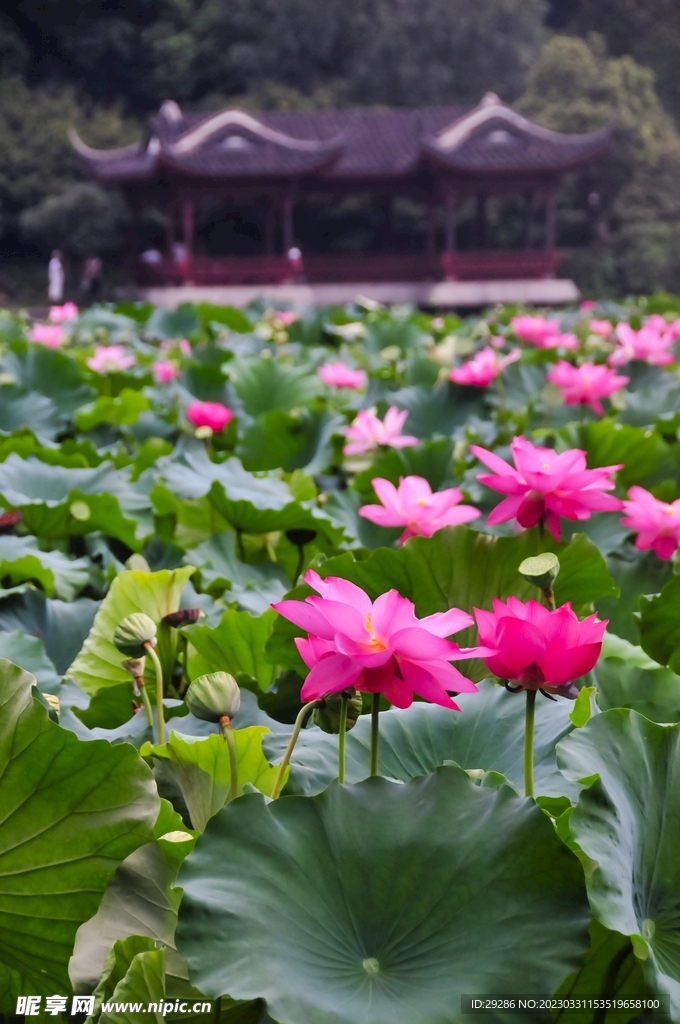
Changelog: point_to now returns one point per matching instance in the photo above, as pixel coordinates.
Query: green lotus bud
(135, 666)
(214, 697)
(327, 717)
(134, 632)
(541, 570)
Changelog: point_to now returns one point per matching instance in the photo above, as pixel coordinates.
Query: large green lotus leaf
(17, 409)
(173, 323)
(157, 594)
(247, 517)
(51, 373)
(628, 822)
(255, 587)
(583, 577)
(292, 441)
(437, 412)
(202, 769)
(121, 411)
(635, 573)
(143, 983)
(76, 454)
(28, 652)
(659, 624)
(381, 902)
(626, 677)
(236, 645)
(645, 455)
(223, 316)
(22, 560)
(609, 967)
(70, 813)
(266, 384)
(62, 626)
(185, 522)
(431, 460)
(488, 733)
(189, 473)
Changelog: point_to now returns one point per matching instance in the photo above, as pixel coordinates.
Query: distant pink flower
(377, 647)
(209, 414)
(601, 327)
(181, 343)
(647, 344)
(367, 431)
(414, 506)
(483, 368)
(164, 372)
(536, 647)
(542, 333)
(656, 523)
(61, 314)
(286, 317)
(50, 335)
(587, 304)
(663, 326)
(586, 384)
(110, 359)
(337, 375)
(497, 340)
(545, 486)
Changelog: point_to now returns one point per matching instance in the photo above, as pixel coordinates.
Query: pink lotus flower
(209, 414)
(61, 314)
(483, 368)
(337, 375)
(660, 324)
(656, 523)
(586, 384)
(50, 335)
(367, 431)
(535, 329)
(587, 304)
(414, 506)
(545, 486)
(286, 317)
(164, 372)
(647, 344)
(181, 343)
(601, 327)
(377, 647)
(536, 647)
(110, 359)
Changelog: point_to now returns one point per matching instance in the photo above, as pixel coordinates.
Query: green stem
(529, 744)
(228, 733)
(160, 710)
(217, 1010)
(608, 989)
(300, 564)
(299, 722)
(186, 681)
(541, 534)
(341, 738)
(375, 732)
(146, 700)
(241, 548)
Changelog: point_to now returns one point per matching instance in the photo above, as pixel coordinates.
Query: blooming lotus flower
(50, 335)
(586, 384)
(536, 647)
(337, 375)
(209, 414)
(110, 359)
(484, 367)
(601, 327)
(164, 372)
(587, 304)
(656, 523)
(61, 314)
(414, 506)
(660, 324)
(286, 317)
(535, 329)
(377, 647)
(648, 344)
(545, 486)
(181, 343)
(367, 431)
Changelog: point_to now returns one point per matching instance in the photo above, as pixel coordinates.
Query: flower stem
(299, 722)
(160, 710)
(529, 744)
(375, 732)
(228, 733)
(300, 563)
(146, 700)
(341, 738)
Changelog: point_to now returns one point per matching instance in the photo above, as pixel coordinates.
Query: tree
(83, 220)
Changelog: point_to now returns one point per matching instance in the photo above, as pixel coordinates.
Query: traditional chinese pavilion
(269, 163)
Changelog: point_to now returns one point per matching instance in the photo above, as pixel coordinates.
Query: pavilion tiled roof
(344, 145)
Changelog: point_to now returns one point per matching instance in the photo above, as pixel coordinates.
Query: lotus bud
(541, 570)
(327, 717)
(184, 617)
(134, 633)
(214, 697)
(135, 666)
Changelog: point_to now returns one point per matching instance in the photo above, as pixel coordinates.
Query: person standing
(90, 282)
(55, 277)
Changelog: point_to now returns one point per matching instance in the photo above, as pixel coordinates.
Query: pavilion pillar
(188, 227)
(269, 229)
(430, 230)
(551, 219)
(528, 218)
(450, 221)
(288, 222)
(170, 231)
(480, 221)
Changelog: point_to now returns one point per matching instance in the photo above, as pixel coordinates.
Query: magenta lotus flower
(484, 367)
(209, 414)
(648, 344)
(111, 359)
(545, 486)
(62, 314)
(50, 335)
(586, 384)
(656, 523)
(538, 648)
(377, 647)
(663, 326)
(414, 506)
(542, 333)
(337, 375)
(601, 327)
(587, 305)
(368, 431)
(164, 371)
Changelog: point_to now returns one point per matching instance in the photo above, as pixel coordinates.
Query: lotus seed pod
(213, 697)
(134, 632)
(541, 570)
(327, 717)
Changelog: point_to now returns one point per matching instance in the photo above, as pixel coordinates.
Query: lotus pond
(340, 665)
